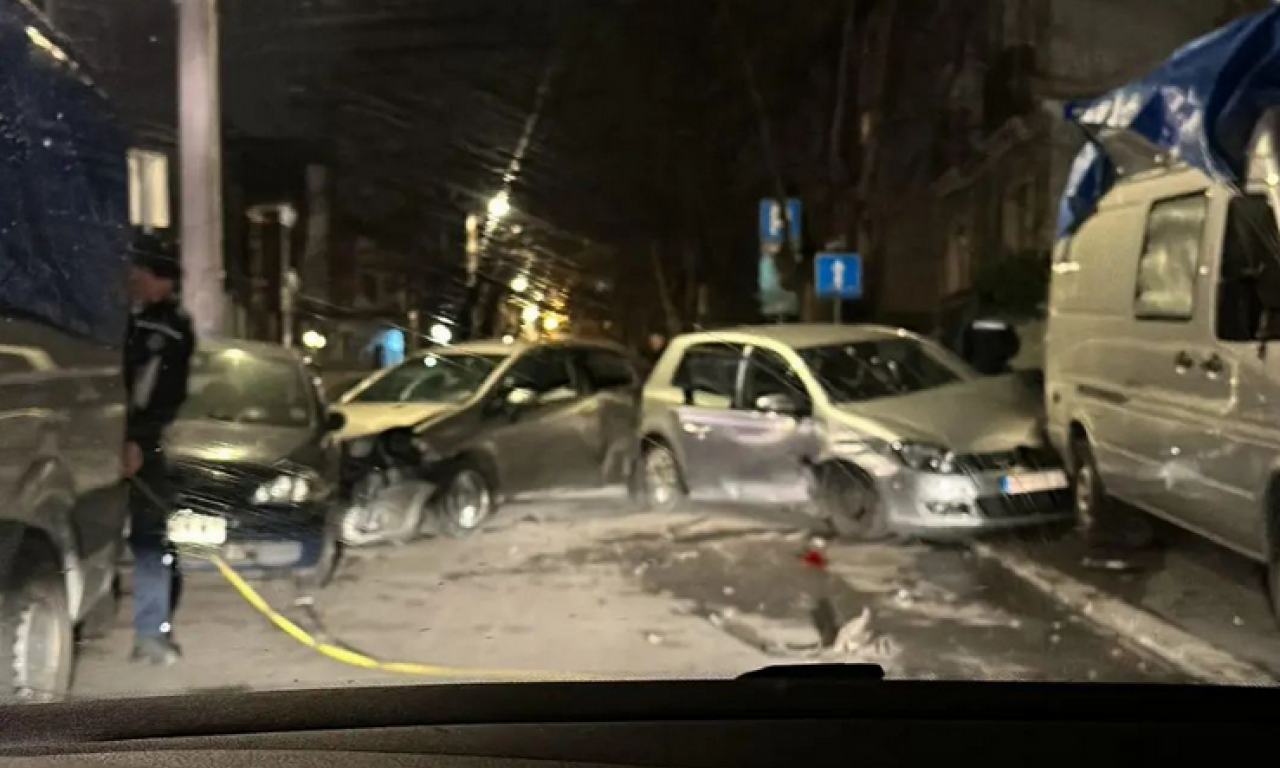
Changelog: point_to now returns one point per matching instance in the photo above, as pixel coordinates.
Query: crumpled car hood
(982, 416)
(374, 418)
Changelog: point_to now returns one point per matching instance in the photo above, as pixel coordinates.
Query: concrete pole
(200, 149)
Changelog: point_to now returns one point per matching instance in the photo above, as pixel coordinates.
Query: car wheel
(658, 484)
(1089, 500)
(37, 640)
(849, 502)
(101, 618)
(465, 501)
(321, 574)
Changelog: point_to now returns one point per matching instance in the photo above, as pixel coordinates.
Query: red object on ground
(814, 559)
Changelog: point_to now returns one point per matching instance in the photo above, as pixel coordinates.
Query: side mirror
(777, 403)
(334, 421)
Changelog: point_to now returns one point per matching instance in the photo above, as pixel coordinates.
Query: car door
(541, 444)
(613, 382)
(765, 452)
(709, 376)
(1186, 380)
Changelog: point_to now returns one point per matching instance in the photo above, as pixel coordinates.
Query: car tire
(37, 639)
(465, 501)
(657, 481)
(850, 504)
(321, 574)
(1093, 509)
(101, 619)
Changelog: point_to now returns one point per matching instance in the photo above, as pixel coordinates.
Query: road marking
(1180, 649)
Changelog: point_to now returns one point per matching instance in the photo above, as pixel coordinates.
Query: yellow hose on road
(357, 659)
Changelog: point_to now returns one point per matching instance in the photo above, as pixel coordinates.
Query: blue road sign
(771, 221)
(838, 275)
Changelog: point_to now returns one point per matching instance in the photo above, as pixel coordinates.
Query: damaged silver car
(886, 431)
(436, 442)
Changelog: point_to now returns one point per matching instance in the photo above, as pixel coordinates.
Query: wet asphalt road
(590, 588)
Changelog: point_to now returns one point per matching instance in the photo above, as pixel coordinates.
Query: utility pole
(200, 150)
(289, 282)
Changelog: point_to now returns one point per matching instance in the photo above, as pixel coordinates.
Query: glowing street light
(500, 205)
(519, 283)
(530, 314)
(551, 323)
(440, 333)
(508, 339)
(314, 340)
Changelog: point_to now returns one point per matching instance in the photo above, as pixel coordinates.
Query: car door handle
(1214, 366)
(1183, 362)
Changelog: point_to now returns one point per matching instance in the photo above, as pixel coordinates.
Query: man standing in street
(157, 363)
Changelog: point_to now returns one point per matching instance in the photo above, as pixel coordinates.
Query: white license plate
(1034, 482)
(191, 528)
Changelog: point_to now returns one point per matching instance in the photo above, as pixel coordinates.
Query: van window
(1250, 245)
(1170, 257)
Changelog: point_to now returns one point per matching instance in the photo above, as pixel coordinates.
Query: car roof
(258, 348)
(500, 347)
(797, 336)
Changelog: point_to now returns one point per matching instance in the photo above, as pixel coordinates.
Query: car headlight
(924, 457)
(290, 489)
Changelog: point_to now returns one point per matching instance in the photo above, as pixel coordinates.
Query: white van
(1161, 390)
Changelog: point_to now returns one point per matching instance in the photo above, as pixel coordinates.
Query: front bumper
(268, 538)
(931, 505)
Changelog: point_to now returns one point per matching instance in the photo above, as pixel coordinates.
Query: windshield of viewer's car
(433, 378)
(599, 339)
(244, 388)
(868, 370)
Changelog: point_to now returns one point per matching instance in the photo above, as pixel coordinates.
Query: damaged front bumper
(931, 505)
(386, 506)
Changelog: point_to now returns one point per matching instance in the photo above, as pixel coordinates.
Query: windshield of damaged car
(432, 379)
(873, 369)
(243, 388)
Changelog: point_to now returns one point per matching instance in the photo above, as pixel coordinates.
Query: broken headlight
(923, 457)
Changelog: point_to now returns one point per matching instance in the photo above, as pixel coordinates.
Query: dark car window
(606, 370)
(769, 374)
(709, 373)
(245, 388)
(431, 379)
(868, 370)
(544, 371)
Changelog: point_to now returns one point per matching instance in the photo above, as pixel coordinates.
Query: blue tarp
(63, 191)
(1201, 106)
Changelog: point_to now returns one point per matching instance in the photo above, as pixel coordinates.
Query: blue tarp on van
(1201, 106)
(63, 189)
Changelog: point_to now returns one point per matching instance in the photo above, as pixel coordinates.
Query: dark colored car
(63, 313)
(484, 421)
(254, 461)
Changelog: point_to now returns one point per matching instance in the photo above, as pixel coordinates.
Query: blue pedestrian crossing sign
(838, 275)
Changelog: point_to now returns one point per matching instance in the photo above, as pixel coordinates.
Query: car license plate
(1034, 482)
(187, 527)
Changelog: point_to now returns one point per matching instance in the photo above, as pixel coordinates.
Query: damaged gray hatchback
(886, 431)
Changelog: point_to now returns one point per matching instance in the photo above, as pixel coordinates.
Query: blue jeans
(155, 565)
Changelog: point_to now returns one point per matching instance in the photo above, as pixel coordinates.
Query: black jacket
(157, 363)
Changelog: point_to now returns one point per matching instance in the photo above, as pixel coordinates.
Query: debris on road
(814, 559)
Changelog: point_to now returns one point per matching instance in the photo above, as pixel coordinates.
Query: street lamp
(314, 339)
(519, 284)
(441, 334)
(530, 314)
(500, 205)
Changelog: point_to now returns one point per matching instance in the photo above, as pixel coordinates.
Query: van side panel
(1090, 332)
